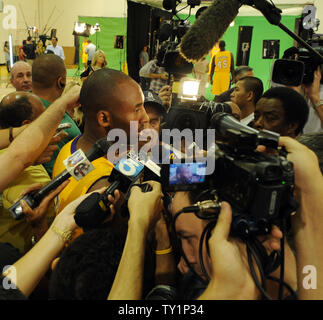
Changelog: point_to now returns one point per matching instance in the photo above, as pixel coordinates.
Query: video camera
(193, 114)
(259, 186)
(170, 34)
(299, 64)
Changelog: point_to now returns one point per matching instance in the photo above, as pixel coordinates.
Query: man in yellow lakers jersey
(222, 65)
(84, 55)
(110, 99)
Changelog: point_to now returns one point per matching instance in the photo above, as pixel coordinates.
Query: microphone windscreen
(168, 4)
(165, 31)
(208, 29)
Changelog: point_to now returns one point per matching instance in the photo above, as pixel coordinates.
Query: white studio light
(79, 27)
(97, 27)
(189, 88)
(92, 31)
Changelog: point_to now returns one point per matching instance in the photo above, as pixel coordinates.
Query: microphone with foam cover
(169, 4)
(208, 29)
(99, 149)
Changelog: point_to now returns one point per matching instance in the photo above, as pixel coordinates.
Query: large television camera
(299, 64)
(169, 35)
(259, 186)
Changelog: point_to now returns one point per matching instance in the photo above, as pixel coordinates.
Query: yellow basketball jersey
(222, 61)
(102, 168)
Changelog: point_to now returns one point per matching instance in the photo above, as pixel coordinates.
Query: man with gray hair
(21, 76)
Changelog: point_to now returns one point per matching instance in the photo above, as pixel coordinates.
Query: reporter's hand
(65, 219)
(114, 201)
(72, 97)
(306, 165)
(47, 154)
(164, 76)
(36, 217)
(231, 277)
(165, 94)
(145, 207)
(271, 241)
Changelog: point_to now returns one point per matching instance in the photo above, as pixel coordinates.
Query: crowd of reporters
(141, 254)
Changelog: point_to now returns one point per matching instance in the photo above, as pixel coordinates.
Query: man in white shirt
(54, 48)
(90, 50)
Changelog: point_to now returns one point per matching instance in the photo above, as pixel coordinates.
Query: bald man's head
(19, 108)
(48, 71)
(21, 76)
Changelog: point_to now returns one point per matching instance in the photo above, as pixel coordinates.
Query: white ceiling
(289, 7)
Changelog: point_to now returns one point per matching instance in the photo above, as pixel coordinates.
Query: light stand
(77, 73)
(80, 29)
(97, 29)
(119, 44)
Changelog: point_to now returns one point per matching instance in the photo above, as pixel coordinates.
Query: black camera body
(256, 184)
(298, 65)
(259, 186)
(168, 56)
(193, 114)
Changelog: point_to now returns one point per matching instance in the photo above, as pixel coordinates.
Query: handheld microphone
(208, 29)
(99, 149)
(93, 210)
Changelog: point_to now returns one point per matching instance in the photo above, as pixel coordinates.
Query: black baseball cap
(153, 99)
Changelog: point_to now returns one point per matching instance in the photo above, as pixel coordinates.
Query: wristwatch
(316, 105)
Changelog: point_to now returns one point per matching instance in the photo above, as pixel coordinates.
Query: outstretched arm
(144, 209)
(307, 223)
(30, 269)
(29, 145)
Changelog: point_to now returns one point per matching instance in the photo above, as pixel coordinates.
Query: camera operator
(189, 229)
(307, 225)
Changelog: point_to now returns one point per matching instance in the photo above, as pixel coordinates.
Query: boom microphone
(99, 149)
(208, 29)
(169, 4)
